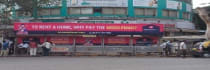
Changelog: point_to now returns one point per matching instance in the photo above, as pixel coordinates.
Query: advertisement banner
(171, 4)
(61, 40)
(145, 3)
(97, 3)
(169, 26)
(80, 28)
(117, 40)
(189, 7)
(88, 41)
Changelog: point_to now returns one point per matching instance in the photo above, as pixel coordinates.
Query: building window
(44, 12)
(55, 11)
(120, 11)
(86, 10)
(107, 11)
(23, 14)
(74, 11)
(150, 12)
(139, 11)
(97, 10)
(146, 11)
(186, 15)
(80, 11)
(165, 13)
(170, 13)
(49, 11)
(173, 13)
(114, 11)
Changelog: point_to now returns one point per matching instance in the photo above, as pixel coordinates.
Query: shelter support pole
(103, 47)
(15, 46)
(74, 46)
(132, 46)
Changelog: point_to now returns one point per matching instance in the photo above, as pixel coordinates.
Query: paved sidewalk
(103, 63)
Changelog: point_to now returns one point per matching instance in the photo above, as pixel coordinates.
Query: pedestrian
(183, 48)
(168, 48)
(0, 45)
(175, 47)
(11, 47)
(33, 48)
(46, 46)
(163, 46)
(178, 49)
(23, 48)
(5, 48)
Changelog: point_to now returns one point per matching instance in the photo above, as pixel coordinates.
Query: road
(103, 63)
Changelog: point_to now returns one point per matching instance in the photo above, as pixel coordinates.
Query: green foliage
(25, 5)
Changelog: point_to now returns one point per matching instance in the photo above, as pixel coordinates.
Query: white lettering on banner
(64, 27)
(54, 27)
(35, 26)
(89, 27)
(45, 27)
(100, 27)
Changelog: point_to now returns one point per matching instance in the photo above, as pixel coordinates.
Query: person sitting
(23, 48)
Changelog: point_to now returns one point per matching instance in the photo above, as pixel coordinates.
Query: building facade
(130, 25)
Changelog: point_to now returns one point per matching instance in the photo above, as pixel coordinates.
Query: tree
(24, 6)
(30, 5)
(5, 9)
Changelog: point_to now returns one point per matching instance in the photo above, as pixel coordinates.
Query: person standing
(183, 48)
(23, 48)
(33, 48)
(11, 47)
(168, 48)
(175, 47)
(163, 46)
(5, 48)
(46, 48)
(0, 45)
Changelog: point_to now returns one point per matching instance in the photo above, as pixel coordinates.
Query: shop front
(92, 38)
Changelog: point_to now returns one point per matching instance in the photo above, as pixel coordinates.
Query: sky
(197, 3)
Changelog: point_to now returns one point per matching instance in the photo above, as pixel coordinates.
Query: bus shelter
(87, 38)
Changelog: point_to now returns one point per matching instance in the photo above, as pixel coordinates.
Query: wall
(130, 5)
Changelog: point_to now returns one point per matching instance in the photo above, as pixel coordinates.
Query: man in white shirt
(183, 48)
(166, 47)
(175, 47)
(46, 47)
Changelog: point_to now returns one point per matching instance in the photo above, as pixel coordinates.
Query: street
(103, 63)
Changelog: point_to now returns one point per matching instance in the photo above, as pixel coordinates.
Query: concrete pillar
(204, 14)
